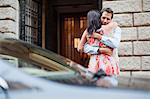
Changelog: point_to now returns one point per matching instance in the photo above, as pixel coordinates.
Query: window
(30, 21)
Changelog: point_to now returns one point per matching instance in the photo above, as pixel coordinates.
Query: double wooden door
(72, 27)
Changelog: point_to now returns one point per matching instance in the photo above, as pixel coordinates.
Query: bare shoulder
(85, 32)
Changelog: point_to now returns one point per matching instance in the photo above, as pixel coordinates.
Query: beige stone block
(7, 26)
(125, 74)
(142, 18)
(125, 48)
(129, 33)
(12, 3)
(144, 33)
(141, 74)
(123, 19)
(141, 47)
(146, 5)
(8, 13)
(130, 63)
(140, 80)
(145, 62)
(121, 6)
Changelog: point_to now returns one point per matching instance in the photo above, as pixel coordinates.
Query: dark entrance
(72, 27)
(71, 23)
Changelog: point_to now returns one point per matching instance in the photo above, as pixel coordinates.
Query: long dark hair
(93, 21)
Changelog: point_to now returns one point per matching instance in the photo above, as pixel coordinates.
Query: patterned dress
(102, 61)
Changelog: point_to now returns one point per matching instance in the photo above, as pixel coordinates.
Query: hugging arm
(114, 41)
(96, 50)
(83, 46)
(82, 41)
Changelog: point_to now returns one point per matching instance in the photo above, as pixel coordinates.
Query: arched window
(30, 21)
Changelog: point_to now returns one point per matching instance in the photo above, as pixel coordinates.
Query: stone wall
(133, 16)
(9, 19)
(9, 24)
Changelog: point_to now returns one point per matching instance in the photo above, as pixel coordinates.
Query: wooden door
(72, 27)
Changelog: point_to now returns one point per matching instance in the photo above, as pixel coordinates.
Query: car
(23, 86)
(33, 72)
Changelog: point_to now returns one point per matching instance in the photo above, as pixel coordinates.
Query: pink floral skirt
(104, 62)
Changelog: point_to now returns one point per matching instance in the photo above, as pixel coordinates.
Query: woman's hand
(97, 35)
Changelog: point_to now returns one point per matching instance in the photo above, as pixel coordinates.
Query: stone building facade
(133, 16)
(9, 19)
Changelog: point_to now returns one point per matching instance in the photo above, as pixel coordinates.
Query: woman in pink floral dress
(93, 33)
